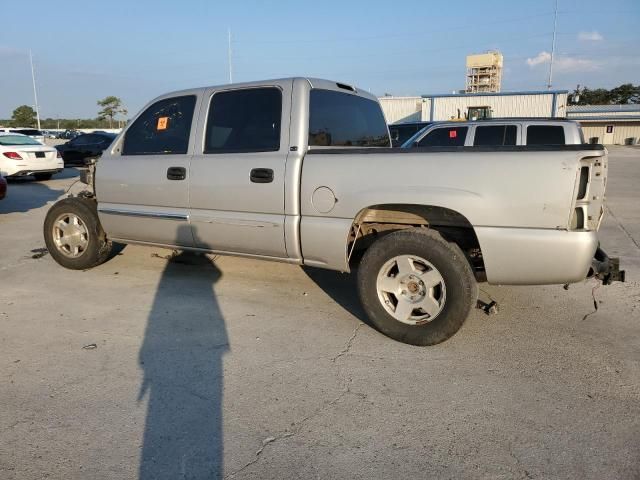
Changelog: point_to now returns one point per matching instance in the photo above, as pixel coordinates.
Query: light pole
(35, 92)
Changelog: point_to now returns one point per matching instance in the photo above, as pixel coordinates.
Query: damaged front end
(605, 268)
(88, 175)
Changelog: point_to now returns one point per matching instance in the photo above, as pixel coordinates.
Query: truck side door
(238, 170)
(141, 183)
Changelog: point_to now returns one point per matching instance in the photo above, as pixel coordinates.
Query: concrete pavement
(195, 367)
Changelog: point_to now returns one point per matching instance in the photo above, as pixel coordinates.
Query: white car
(21, 155)
(29, 132)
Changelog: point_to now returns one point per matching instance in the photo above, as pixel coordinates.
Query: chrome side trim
(294, 261)
(138, 213)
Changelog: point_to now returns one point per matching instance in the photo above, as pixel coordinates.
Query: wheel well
(377, 220)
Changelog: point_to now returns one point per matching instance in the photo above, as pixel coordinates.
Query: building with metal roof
(608, 124)
(544, 103)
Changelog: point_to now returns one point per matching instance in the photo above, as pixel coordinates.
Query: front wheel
(416, 287)
(73, 234)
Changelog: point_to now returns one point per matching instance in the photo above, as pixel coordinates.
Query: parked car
(21, 155)
(292, 170)
(30, 132)
(68, 134)
(3, 187)
(498, 132)
(84, 146)
(401, 132)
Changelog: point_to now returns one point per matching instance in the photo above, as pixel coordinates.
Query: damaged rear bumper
(606, 268)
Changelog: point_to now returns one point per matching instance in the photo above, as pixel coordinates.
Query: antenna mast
(229, 59)
(553, 45)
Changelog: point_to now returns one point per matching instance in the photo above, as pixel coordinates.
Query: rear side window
(496, 135)
(339, 119)
(244, 121)
(163, 128)
(444, 137)
(545, 135)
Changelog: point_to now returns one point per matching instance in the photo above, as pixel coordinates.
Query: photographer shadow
(181, 356)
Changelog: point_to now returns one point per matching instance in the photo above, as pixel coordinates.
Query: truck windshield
(339, 119)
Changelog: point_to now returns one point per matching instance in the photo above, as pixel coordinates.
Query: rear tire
(73, 234)
(416, 287)
(43, 176)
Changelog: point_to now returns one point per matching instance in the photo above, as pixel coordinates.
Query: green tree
(626, 93)
(622, 95)
(111, 107)
(24, 116)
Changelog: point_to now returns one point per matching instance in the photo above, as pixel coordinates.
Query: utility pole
(35, 92)
(229, 59)
(553, 45)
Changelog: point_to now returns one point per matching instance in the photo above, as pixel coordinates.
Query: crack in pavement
(347, 347)
(297, 426)
(622, 227)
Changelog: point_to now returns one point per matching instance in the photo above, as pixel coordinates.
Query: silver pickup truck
(300, 170)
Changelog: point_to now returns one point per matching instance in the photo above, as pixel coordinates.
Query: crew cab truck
(300, 170)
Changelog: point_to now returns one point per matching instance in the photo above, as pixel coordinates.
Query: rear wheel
(74, 236)
(43, 176)
(416, 287)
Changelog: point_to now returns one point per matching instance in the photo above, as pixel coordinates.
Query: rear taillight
(12, 155)
(58, 155)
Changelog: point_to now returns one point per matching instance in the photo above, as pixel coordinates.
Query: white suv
(498, 132)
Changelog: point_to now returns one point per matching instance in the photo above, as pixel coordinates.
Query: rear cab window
(451, 136)
(246, 120)
(163, 128)
(545, 135)
(495, 135)
(338, 119)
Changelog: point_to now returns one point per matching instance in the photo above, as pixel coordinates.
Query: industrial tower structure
(484, 72)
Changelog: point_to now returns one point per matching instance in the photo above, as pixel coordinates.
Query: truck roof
(313, 83)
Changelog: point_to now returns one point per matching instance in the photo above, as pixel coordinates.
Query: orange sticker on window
(163, 122)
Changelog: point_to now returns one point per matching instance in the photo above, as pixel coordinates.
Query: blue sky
(84, 51)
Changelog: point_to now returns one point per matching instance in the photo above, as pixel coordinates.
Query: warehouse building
(608, 124)
(546, 103)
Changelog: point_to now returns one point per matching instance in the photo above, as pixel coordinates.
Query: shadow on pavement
(341, 287)
(66, 173)
(181, 357)
(26, 194)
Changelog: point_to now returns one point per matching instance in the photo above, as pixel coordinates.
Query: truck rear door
(238, 170)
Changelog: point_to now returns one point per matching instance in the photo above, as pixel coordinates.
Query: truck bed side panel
(537, 195)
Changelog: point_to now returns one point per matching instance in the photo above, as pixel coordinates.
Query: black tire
(43, 176)
(98, 248)
(451, 263)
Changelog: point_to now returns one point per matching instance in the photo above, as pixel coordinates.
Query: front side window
(495, 135)
(245, 120)
(545, 135)
(339, 119)
(162, 129)
(444, 137)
